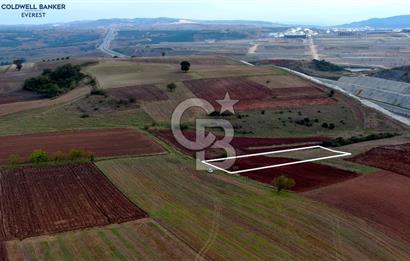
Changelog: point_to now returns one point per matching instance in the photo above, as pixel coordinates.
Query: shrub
(283, 183)
(325, 125)
(171, 87)
(77, 154)
(16, 159)
(60, 156)
(96, 91)
(326, 66)
(39, 156)
(342, 141)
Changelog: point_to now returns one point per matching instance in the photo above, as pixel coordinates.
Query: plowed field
(42, 200)
(382, 198)
(139, 93)
(102, 143)
(243, 145)
(395, 158)
(307, 176)
(253, 96)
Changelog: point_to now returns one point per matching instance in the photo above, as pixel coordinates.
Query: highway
(105, 45)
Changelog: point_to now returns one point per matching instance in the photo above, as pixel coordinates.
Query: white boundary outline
(339, 154)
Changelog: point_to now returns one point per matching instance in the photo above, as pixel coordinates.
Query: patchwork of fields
(144, 198)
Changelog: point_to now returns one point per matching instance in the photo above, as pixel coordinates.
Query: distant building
(295, 36)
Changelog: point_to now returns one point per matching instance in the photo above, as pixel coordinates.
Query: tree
(283, 183)
(171, 87)
(19, 64)
(39, 156)
(185, 66)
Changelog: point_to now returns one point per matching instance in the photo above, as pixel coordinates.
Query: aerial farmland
(183, 139)
(115, 144)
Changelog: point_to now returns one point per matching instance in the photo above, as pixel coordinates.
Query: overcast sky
(317, 12)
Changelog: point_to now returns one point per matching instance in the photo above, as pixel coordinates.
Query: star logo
(227, 104)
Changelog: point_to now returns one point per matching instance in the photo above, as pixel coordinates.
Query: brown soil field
(53, 199)
(382, 198)
(308, 176)
(243, 145)
(75, 94)
(252, 95)
(138, 93)
(19, 96)
(102, 143)
(395, 158)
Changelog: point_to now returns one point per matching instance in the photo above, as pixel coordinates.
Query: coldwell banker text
(33, 10)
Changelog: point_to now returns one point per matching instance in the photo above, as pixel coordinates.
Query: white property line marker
(212, 166)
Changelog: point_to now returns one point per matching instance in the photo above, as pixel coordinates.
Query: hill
(402, 21)
(401, 74)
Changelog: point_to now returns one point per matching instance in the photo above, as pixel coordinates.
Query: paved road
(105, 45)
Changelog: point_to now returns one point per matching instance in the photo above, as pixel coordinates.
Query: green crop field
(225, 217)
(137, 240)
(63, 118)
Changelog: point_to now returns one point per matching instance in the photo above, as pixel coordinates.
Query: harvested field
(102, 143)
(142, 239)
(242, 145)
(308, 176)
(382, 198)
(395, 158)
(114, 74)
(252, 95)
(138, 93)
(59, 198)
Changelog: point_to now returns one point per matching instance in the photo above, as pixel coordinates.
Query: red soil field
(395, 158)
(308, 176)
(50, 199)
(243, 145)
(102, 143)
(139, 93)
(382, 198)
(253, 96)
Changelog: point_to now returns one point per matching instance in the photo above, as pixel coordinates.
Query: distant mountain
(400, 22)
(152, 22)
